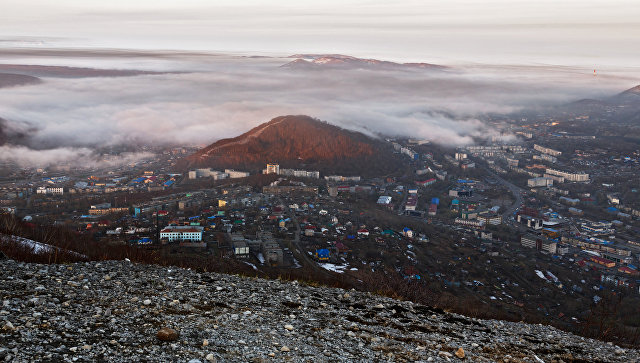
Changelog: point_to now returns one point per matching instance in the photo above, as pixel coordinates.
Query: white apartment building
(182, 233)
(539, 182)
(236, 174)
(272, 169)
(574, 177)
(546, 150)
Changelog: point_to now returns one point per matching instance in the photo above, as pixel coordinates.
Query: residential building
(384, 200)
(470, 222)
(182, 233)
(574, 177)
(530, 222)
(207, 173)
(300, 173)
(272, 169)
(539, 182)
(50, 190)
(340, 178)
(490, 217)
(236, 174)
(545, 157)
(271, 250)
(426, 182)
(546, 150)
(240, 249)
(539, 243)
(412, 202)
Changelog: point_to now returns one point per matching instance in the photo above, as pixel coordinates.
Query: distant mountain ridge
(29, 70)
(634, 90)
(13, 80)
(317, 61)
(298, 142)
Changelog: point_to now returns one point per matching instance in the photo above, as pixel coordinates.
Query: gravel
(116, 311)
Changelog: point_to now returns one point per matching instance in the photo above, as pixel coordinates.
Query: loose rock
(167, 334)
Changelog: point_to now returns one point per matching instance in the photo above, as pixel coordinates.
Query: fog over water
(223, 74)
(202, 97)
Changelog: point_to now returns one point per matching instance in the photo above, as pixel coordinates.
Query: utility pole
(157, 228)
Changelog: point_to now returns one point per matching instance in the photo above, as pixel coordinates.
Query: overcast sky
(596, 33)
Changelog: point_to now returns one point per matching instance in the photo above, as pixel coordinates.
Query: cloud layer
(221, 96)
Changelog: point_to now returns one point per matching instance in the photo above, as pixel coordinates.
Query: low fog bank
(217, 96)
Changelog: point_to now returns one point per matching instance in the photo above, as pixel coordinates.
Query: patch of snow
(252, 265)
(541, 275)
(333, 267)
(37, 248)
(260, 258)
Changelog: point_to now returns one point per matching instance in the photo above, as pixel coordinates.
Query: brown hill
(635, 90)
(299, 142)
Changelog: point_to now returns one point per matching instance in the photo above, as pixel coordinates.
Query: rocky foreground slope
(125, 312)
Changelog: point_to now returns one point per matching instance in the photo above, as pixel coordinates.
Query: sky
(594, 34)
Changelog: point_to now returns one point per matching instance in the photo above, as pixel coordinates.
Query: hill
(3, 134)
(339, 61)
(630, 97)
(634, 90)
(12, 80)
(122, 312)
(300, 142)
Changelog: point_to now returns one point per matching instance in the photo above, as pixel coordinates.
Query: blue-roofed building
(169, 183)
(145, 241)
(466, 181)
(322, 254)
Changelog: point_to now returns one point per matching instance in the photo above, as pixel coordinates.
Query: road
(517, 193)
(302, 253)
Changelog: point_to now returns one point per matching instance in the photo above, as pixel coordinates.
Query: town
(511, 224)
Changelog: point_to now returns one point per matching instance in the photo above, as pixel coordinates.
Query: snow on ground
(541, 275)
(38, 248)
(296, 264)
(333, 267)
(252, 265)
(260, 258)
